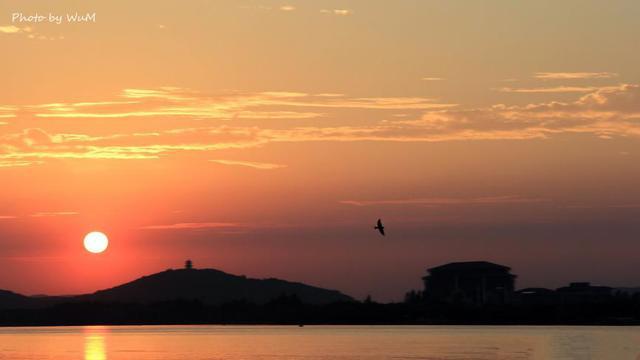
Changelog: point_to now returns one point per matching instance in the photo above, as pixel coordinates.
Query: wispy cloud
(604, 112)
(251, 164)
(177, 102)
(340, 12)
(12, 29)
(34, 145)
(573, 75)
(287, 8)
(7, 217)
(432, 79)
(193, 225)
(28, 32)
(54, 213)
(7, 111)
(550, 90)
(17, 163)
(380, 103)
(490, 200)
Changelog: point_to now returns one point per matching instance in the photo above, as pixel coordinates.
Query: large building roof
(469, 266)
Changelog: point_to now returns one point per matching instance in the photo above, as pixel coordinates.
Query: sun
(96, 242)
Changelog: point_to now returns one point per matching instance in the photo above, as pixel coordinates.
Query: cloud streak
(18, 163)
(178, 102)
(6, 112)
(251, 164)
(432, 202)
(550, 90)
(339, 12)
(54, 213)
(12, 29)
(193, 225)
(26, 31)
(573, 75)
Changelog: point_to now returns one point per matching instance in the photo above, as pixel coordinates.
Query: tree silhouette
(188, 265)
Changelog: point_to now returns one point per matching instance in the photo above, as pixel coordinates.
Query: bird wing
(379, 223)
(381, 229)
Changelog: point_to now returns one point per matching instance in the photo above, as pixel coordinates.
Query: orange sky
(265, 138)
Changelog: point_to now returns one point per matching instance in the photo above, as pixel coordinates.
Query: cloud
(432, 79)
(251, 164)
(379, 103)
(249, 120)
(119, 152)
(28, 32)
(624, 98)
(12, 29)
(44, 37)
(550, 90)
(610, 111)
(6, 217)
(32, 145)
(491, 200)
(54, 213)
(7, 111)
(193, 225)
(340, 12)
(573, 75)
(18, 163)
(287, 8)
(606, 112)
(185, 103)
(276, 115)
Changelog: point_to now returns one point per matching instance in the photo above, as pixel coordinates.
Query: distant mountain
(207, 285)
(11, 300)
(211, 287)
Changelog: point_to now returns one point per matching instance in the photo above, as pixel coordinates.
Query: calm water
(320, 342)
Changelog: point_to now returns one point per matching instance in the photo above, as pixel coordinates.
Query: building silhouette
(536, 296)
(472, 283)
(584, 292)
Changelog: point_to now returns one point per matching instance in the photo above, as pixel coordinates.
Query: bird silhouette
(380, 227)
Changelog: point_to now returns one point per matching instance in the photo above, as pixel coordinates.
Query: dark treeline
(620, 309)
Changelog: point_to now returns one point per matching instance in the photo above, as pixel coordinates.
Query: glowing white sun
(96, 242)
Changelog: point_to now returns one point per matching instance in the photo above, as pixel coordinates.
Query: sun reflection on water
(94, 344)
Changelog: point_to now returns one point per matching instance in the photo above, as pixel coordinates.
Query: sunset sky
(265, 138)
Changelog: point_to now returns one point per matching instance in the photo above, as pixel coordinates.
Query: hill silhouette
(209, 286)
(11, 300)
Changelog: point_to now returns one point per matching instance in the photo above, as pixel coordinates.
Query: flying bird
(380, 227)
